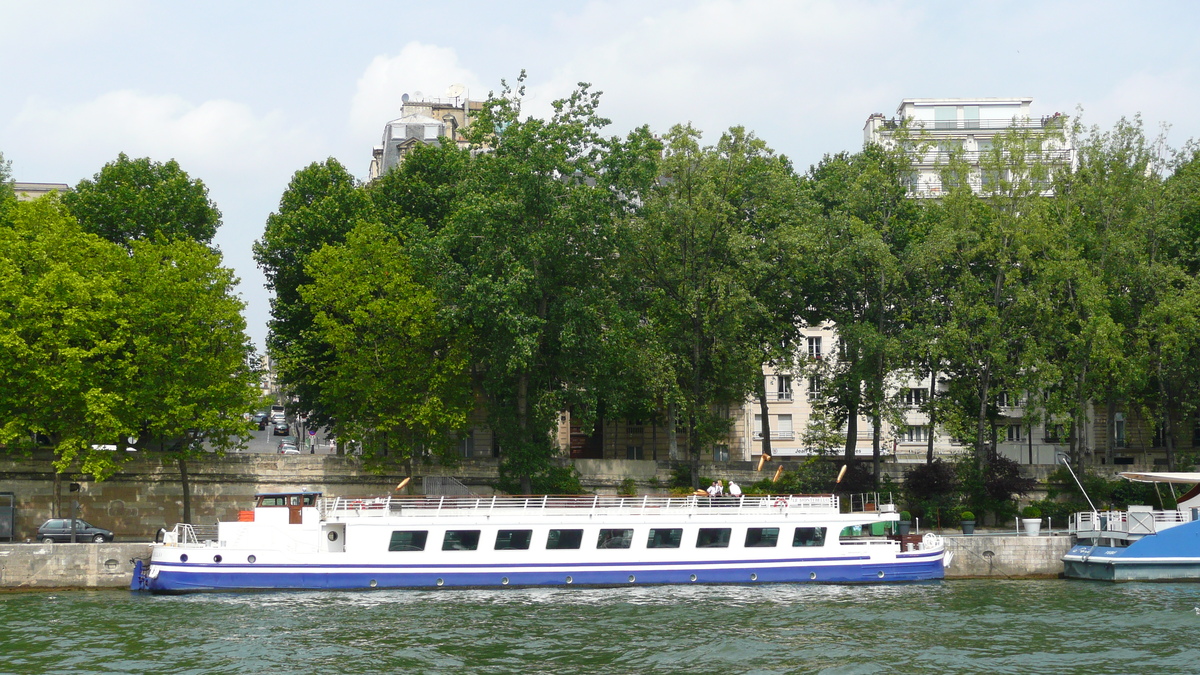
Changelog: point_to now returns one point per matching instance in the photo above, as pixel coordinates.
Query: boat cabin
(281, 508)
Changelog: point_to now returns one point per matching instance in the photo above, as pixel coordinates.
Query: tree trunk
(876, 431)
(57, 510)
(672, 434)
(1110, 430)
(933, 365)
(766, 419)
(851, 432)
(187, 490)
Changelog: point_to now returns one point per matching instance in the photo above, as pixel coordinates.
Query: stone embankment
(52, 566)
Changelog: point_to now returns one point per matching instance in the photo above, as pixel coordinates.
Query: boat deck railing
(187, 534)
(644, 505)
(1091, 524)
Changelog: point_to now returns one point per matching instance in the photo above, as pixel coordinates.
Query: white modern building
(937, 127)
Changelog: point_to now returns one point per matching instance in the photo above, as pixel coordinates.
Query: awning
(1175, 477)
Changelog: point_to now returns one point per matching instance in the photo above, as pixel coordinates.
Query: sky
(244, 94)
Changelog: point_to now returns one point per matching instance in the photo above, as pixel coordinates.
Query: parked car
(58, 530)
(289, 450)
(282, 429)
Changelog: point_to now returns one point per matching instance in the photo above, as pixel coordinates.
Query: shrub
(966, 515)
(1031, 512)
(905, 515)
(628, 488)
(931, 490)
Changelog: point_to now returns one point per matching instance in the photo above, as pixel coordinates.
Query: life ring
(781, 502)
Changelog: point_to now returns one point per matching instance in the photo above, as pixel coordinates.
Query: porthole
(332, 536)
(632, 579)
(692, 578)
(374, 583)
(570, 580)
(753, 576)
(183, 558)
(251, 559)
(812, 575)
(504, 581)
(217, 558)
(440, 581)
(879, 574)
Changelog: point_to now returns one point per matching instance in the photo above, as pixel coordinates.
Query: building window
(1158, 440)
(564, 539)
(915, 396)
(783, 427)
(1054, 433)
(814, 347)
(783, 388)
(634, 452)
(913, 433)
(814, 385)
(1119, 424)
(971, 116)
(1014, 432)
(945, 117)
(720, 453)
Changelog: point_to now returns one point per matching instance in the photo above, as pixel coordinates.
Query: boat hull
(200, 577)
(1168, 555)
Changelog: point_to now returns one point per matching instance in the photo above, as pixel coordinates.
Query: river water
(969, 626)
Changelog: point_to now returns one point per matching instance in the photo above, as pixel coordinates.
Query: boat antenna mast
(1067, 463)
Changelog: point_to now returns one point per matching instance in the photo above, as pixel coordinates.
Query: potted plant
(1031, 520)
(967, 520)
(905, 523)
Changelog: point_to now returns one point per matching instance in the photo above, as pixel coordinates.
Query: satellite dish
(455, 90)
(417, 94)
(404, 98)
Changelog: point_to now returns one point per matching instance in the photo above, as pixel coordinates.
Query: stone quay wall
(1006, 556)
(52, 566)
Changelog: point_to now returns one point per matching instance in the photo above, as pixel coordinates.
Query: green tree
(523, 269)
(321, 205)
(399, 379)
(698, 247)
(133, 199)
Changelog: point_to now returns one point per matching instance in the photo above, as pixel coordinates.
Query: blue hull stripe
(206, 578)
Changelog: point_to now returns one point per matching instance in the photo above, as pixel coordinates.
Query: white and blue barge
(304, 540)
(1141, 543)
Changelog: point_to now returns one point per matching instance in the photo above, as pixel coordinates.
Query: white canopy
(1153, 477)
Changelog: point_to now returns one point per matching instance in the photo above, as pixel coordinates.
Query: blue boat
(1141, 543)
(303, 540)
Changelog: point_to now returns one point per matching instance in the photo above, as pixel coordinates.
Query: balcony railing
(778, 396)
(776, 435)
(1048, 122)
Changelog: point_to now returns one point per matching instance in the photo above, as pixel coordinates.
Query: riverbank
(59, 566)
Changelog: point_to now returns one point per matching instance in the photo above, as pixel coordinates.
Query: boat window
(564, 539)
(294, 500)
(615, 539)
(461, 540)
(665, 538)
(713, 537)
(310, 500)
(513, 539)
(809, 536)
(408, 540)
(272, 501)
(762, 537)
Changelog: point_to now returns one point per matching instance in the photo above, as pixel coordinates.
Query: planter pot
(968, 526)
(905, 526)
(1032, 526)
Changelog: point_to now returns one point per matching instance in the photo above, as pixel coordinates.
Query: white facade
(421, 122)
(941, 126)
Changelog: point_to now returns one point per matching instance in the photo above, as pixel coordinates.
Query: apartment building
(423, 121)
(932, 129)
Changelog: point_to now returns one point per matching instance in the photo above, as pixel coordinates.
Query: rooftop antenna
(454, 91)
(417, 95)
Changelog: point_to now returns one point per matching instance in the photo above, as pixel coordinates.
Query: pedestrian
(735, 490)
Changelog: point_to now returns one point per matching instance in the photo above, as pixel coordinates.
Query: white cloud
(203, 137)
(418, 67)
